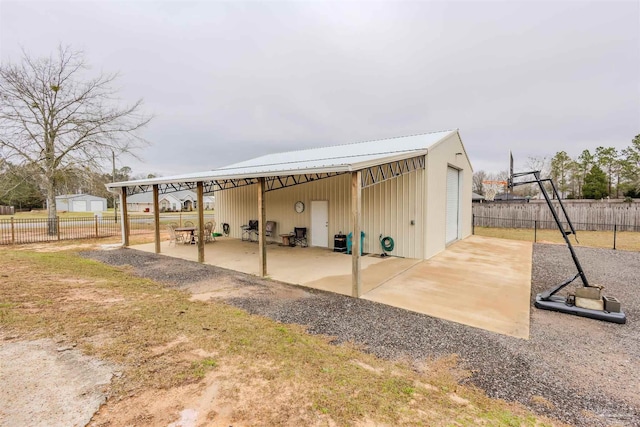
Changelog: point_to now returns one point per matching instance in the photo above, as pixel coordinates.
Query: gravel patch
(580, 371)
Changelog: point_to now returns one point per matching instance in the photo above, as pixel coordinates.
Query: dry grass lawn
(625, 240)
(239, 368)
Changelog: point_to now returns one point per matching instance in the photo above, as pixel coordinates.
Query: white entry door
(320, 223)
(453, 204)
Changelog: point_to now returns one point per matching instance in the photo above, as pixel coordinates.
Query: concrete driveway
(480, 281)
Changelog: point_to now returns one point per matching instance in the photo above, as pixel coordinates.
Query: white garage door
(453, 204)
(96, 206)
(79, 206)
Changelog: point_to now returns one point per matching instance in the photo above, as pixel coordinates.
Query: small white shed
(80, 203)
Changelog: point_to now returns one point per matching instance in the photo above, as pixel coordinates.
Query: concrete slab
(317, 268)
(479, 281)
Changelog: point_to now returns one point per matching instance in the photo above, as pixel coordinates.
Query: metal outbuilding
(414, 189)
(80, 203)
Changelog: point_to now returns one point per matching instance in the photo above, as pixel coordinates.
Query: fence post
(96, 218)
(180, 219)
(535, 231)
(58, 226)
(473, 224)
(13, 232)
(615, 232)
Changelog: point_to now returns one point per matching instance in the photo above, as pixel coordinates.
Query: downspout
(425, 211)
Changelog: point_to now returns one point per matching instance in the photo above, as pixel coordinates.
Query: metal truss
(380, 173)
(278, 182)
(370, 176)
(272, 183)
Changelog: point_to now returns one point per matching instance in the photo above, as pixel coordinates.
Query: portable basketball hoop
(587, 300)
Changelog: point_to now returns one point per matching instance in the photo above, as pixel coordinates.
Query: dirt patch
(228, 287)
(100, 296)
(224, 397)
(45, 383)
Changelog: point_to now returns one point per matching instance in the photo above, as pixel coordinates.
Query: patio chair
(208, 232)
(188, 224)
(270, 229)
(250, 231)
(300, 236)
(173, 236)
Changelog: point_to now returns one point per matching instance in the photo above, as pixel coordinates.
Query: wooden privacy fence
(585, 217)
(7, 210)
(36, 230)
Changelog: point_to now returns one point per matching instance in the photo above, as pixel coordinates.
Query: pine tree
(595, 184)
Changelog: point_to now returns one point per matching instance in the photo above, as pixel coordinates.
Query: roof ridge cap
(358, 142)
(336, 145)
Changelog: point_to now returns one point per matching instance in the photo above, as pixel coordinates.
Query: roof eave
(195, 178)
(390, 159)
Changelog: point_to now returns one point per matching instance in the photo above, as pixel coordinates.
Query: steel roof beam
(376, 174)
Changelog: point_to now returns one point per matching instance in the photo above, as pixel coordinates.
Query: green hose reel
(387, 244)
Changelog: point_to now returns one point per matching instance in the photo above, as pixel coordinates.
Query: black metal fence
(37, 230)
(614, 230)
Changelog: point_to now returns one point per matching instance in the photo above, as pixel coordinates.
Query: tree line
(605, 173)
(21, 187)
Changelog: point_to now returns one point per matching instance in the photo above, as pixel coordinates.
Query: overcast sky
(228, 81)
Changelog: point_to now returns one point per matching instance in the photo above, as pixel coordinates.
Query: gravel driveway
(581, 371)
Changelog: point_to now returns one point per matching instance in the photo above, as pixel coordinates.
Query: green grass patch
(624, 240)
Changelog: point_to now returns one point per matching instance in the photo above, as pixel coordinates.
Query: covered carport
(210, 184)
(405, 183)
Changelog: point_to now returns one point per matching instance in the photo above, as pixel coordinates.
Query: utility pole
(115, 197)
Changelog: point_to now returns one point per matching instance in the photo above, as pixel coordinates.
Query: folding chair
(300, 236)
(250, 231)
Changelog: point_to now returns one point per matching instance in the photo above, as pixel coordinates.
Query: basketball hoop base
(558, 303)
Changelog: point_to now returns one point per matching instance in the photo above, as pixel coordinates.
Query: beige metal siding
(237, 206)
(388, 208)
(440, 157)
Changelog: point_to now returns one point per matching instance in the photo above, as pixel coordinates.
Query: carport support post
(156, 217)
(124, 216)
(356, 209)
(200, 187)
(262, 218)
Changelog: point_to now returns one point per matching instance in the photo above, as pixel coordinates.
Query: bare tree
(538, 163)
(54, 117)
(478, 186)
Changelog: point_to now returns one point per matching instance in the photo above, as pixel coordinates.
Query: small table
(191, 231)
(286, 239)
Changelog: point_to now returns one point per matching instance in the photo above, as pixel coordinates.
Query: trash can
(349, 237)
